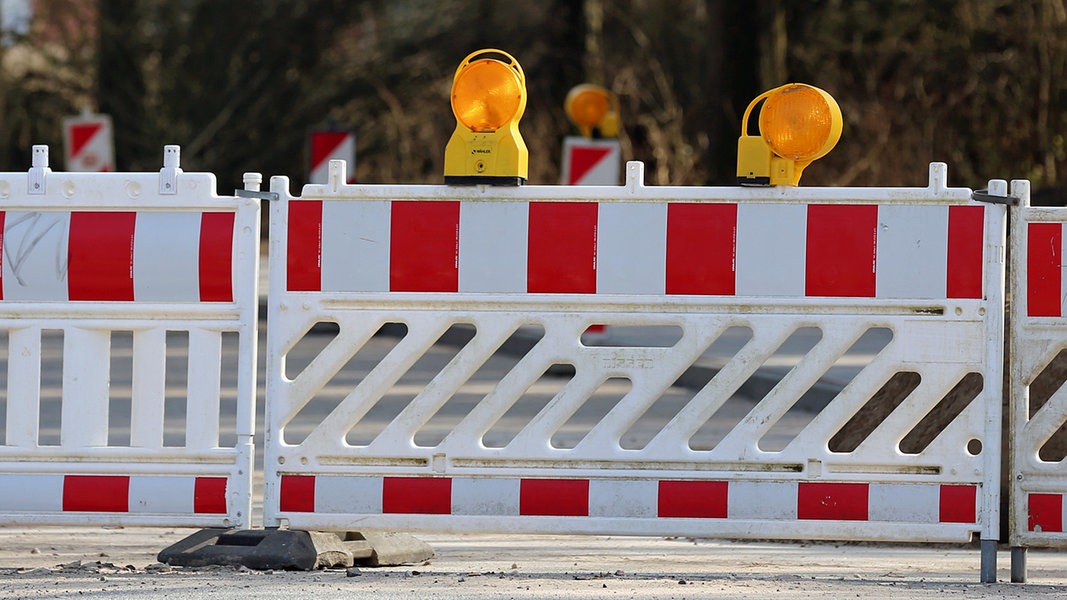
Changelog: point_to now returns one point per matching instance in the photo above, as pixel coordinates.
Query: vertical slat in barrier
(23, 386)
(202, 410)
(86, 367)
(149, 383)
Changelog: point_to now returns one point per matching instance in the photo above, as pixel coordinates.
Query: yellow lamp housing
(593, 108)
(488, 99)
(798, 124)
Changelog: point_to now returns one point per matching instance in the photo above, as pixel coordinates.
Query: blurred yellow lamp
(488, 99)
(590, 106)
(798, 124)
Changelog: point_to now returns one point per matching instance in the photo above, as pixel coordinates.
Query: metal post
(989, 561)
(1018, 564)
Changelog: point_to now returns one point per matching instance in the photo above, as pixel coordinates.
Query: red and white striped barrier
(925, 265)
(123, 494)
(100, 266)
(640, 506)
(142, 256)
(650, 248)
(1038, 335)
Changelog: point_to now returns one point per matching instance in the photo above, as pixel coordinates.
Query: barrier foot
(1018, 564)
(286, 549)
(989, 561)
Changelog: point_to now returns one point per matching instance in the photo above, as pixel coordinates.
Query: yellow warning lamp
(798, 124)
(488, 99)
(594, 110)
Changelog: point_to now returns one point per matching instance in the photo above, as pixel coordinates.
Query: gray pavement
(119, 563)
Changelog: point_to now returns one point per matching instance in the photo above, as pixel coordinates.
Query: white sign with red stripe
(98, 268)
(89, 145)
(327, 145)
(924, 265)
(591, 162)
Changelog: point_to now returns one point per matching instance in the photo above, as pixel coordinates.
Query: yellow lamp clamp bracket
(488, 99)
(594, 110)
(798, 124)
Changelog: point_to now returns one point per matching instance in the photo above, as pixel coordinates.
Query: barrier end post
(38, 170)
(635, 176)
(938, 177)
(168, 175)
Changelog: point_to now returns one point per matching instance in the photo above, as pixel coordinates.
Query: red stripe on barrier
(842, 250)
(1045, 513)
(693, 499)
(424, 252)
(966, 245)
(958, 504)
(1044, 270)
(701, 249)
(100, 256)
(554, 497)
(216, 257)
(562, 248)
(417, 495)
(304, 246)
(297, 493)
(209, 495)
(96, 493)
(832, 501)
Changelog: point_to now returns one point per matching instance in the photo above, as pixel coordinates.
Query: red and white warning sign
(88, 145)
(331, 144)
(591, 162)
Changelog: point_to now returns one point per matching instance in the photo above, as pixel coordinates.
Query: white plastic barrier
(1038, 336)
(924, 265)
(108, 281)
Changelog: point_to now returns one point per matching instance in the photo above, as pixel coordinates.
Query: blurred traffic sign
(88, 143)
(591, 162)
(331, 144)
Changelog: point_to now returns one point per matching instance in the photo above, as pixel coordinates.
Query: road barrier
(533, 267)
(108, 282)
(1038, 408)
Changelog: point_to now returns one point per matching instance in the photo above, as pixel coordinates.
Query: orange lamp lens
(486, 95)
(798, 123)
(588, 108)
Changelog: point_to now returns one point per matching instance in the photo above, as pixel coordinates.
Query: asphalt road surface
(119, 563)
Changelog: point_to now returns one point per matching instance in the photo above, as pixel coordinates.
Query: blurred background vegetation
(979, 84)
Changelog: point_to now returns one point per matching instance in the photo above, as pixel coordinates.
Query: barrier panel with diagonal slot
(582, 438)
(118, 295)
(1038, 408)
